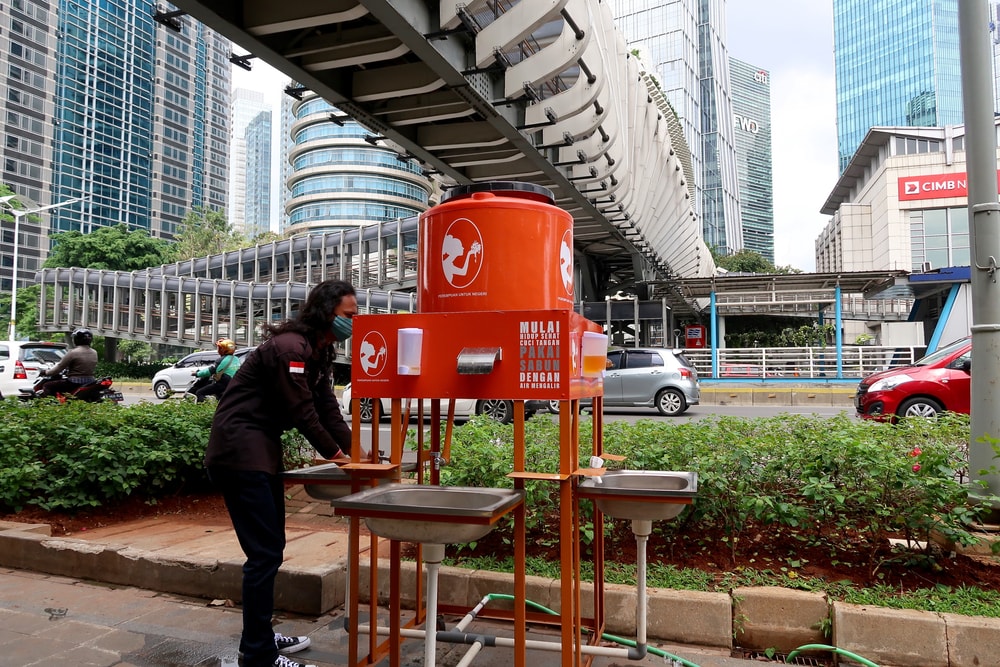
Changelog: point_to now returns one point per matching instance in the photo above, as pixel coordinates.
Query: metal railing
(758, 363)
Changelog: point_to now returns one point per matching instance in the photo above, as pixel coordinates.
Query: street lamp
(19, 213)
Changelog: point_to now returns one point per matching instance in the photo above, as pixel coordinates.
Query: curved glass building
(339, 175)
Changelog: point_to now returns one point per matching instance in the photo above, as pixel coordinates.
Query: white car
(21, 360)
(499, 409)
(179, 377)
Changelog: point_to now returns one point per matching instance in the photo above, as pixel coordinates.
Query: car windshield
(945, 351)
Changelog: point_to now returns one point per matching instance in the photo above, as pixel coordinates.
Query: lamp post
(19, 213)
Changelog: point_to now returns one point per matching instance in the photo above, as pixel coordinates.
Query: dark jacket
(280, 386)
(80, 362)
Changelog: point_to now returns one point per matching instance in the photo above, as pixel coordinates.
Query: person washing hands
(286, 383)
(221, 372)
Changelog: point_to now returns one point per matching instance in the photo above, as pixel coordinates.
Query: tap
(438, 460)
(597, 462)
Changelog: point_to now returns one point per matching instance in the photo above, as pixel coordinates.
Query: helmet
(225, 346)
(82, 337)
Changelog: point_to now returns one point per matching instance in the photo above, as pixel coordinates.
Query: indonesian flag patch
(296, 367)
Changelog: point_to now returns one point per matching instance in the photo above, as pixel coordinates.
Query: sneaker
(282, 661)
(288, 644)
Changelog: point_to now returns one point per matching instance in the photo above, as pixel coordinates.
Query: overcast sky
(793, 40)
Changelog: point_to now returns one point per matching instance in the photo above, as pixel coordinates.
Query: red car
(938, 382)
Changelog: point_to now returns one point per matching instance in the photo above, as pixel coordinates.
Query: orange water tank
(500, 245)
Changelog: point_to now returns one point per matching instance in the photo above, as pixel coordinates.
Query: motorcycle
(93, 392)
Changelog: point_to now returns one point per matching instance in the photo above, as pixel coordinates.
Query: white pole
(18, 214)
(12, 327)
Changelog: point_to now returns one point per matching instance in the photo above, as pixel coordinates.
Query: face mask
(341, 327)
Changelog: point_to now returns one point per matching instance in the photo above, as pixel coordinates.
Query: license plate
(114, 396)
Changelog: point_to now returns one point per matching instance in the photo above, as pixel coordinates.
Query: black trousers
(213, 389)
(256, 504)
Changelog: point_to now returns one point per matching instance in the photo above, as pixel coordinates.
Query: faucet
(438, 460)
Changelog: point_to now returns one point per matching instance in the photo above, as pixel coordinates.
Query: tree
(205, 232)
(112, 248)
(749, 261)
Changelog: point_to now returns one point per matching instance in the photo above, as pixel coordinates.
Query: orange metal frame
(539, 358)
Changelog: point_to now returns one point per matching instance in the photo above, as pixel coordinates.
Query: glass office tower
(682, 42)
(247, 106)
(340, 176)
(896, 64)
(752, 132)
(257, 143)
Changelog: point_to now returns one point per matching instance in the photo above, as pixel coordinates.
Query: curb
(759, 618)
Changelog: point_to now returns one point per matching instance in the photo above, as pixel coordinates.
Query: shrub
(77, 455)
(821, 478)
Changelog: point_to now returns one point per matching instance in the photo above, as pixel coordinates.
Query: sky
(793, 40)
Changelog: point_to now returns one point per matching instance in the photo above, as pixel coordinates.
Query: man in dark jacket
(286, 383)
(79, 365)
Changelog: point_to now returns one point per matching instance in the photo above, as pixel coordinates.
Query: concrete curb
(759, 618)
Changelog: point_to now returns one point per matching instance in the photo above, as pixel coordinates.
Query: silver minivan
(652, 377)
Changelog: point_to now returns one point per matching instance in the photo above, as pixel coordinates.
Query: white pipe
(508, 642)
(470, 655)
(433, 555)
(642, 530)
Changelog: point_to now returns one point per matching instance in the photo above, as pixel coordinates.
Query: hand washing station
(492, 333)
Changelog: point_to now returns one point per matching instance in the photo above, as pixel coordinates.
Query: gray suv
(649, 377)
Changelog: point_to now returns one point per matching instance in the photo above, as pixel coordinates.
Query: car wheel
(501, 410)
(162, 390)
(670, 402)
(366, 410)
(919, 407)
(553, 407)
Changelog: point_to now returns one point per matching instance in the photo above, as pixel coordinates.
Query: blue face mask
(341, 327)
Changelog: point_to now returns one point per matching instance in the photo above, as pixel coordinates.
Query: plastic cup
(595, 354)
(410, 346)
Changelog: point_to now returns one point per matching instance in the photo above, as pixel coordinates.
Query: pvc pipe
(490, 640)
(433, 554)
(642, 530)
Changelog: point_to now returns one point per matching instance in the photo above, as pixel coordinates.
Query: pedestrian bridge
(540, 91)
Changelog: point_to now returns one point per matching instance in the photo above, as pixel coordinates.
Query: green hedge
(818, 477)
(77, 455)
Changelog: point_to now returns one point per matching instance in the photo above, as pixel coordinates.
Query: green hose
(834, 649)
(678, 659)
(605, 636)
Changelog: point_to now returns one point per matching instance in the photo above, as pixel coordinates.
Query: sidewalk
(54, 613)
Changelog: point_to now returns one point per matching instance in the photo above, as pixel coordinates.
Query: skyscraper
(341, 176)
(104, 102)
(896, 64)
(257, 139)
(251, 139)
(683, 44)
(752, 124)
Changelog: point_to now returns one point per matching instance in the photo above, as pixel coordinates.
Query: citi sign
(934, 186)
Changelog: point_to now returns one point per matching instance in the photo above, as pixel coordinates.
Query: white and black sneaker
(282, 661)
(287, 645)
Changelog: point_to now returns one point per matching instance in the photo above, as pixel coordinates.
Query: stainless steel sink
(429, 514)
(649, 495)
(328, 480)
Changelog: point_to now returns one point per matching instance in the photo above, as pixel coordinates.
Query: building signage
(760, 76)
(746, 124)
(935, 186)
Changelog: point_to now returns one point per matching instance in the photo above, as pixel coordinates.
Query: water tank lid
(515, 189)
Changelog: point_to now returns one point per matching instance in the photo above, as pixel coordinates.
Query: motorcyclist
(79, 365)
(221, 372)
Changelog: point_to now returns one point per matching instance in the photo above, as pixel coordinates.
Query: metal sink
(328, 480)
(429, 514)
(649, 495)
